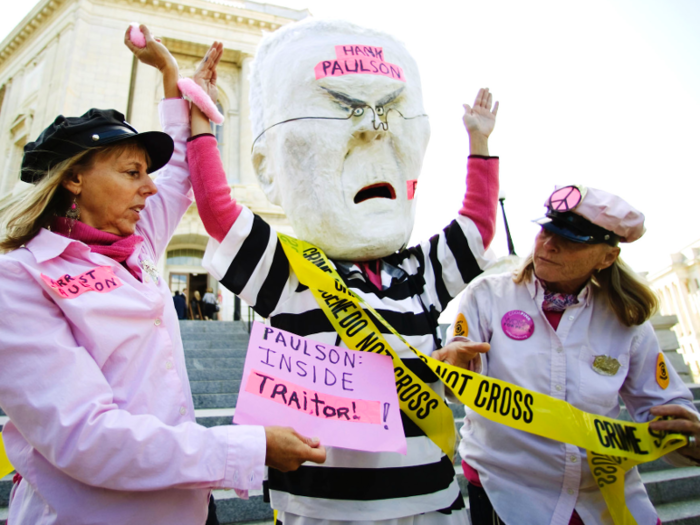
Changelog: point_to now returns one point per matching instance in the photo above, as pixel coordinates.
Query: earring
(73, 214)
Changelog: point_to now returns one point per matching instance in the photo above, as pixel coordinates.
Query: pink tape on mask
(199, 98)
(136, 36)
(358, 60)
(317, 404)
(411, 188)
(100, 279)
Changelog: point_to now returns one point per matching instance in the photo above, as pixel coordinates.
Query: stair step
(187, 327)
(215, 387)
(204, 363)
(680, 512)
(214, 374)
(215, 400)
(214, 350)
(672, 485)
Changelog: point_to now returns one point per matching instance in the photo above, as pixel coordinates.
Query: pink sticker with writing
(358, 60)
(100, 279)
(310, 402)
(517, 325)
(411, 188)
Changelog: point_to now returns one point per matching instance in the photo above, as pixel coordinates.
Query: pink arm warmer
(216, 207)
(480, 202)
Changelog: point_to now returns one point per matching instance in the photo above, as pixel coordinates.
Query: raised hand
(481, 118)
(155, 54)
(287, 450)
(205, 74)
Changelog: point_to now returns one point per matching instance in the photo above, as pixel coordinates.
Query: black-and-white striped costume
(417, 283)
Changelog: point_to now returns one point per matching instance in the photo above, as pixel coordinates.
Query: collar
(47, 245)
(534, 286)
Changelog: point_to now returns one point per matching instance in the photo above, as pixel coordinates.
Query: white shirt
(530, 479)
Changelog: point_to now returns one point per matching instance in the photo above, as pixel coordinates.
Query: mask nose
(369, 125)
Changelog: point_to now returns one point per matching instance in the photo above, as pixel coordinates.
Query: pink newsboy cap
(591, 216)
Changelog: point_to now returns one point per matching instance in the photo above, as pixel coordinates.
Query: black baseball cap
(68, 136)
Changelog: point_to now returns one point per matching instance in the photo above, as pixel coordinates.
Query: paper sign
(358, 60)
(345, 398)
(100, 279)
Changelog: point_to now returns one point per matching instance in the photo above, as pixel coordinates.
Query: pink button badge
(517, 325)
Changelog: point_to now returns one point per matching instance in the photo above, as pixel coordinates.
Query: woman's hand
(155, 54)
(460, 353)
(205, 77)
(287, 450)
(480, 121)
(205, 74)
(683, 421)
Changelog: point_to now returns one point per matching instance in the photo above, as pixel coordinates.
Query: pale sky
(600, 93)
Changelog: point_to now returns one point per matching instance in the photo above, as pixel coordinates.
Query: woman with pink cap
(572, 323)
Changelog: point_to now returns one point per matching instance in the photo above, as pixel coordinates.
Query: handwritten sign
(358, 60)
(100, 279)
(345, 398)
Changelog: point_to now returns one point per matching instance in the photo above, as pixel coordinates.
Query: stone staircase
(215, 353)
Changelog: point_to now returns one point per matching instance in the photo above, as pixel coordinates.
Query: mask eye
(358, 112)
(380, 110)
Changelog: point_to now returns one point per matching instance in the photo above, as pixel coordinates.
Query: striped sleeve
(251, 263)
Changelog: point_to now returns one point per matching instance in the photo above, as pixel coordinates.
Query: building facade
(678, 288)
(68, 56)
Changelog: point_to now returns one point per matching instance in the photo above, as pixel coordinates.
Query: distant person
(101, 420)
(196, 310)
(572, 323)
(180, 305)
(209, 304)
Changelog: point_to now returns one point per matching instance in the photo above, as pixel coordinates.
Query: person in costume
(101, 421)
(340, 133)
(572, 323)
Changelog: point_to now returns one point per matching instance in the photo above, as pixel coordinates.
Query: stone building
(68, 56)
(678, 288)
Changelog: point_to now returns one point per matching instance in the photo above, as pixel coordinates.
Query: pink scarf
(109, 244)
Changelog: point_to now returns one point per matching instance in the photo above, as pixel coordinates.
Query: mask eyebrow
(390, 97)
(345, 98)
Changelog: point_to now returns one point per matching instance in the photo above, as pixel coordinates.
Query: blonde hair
(30, 211)
(628, 296)
(197, 296)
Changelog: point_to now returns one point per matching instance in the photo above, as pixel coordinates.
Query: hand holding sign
(287, 450)
(346, 398)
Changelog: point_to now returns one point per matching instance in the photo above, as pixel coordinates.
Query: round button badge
(517, 325)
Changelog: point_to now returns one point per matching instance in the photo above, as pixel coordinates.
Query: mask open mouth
(383, 190)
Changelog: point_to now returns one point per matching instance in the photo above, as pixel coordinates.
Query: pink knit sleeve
(480, 202)
(217, 209)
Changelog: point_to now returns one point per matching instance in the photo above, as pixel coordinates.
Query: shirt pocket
(599, 388)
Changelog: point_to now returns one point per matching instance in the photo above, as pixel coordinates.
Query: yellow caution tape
(614, 446)
(5, 465)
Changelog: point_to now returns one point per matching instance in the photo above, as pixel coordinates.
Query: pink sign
(344, 397)
(100, 279)
(358, 60)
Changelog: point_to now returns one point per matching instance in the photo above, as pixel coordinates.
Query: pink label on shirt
(517, 325)
(358, 60)
(100, 279)
(311, 402)
(411, 188)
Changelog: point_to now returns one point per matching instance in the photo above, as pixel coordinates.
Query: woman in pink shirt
(102, 427)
